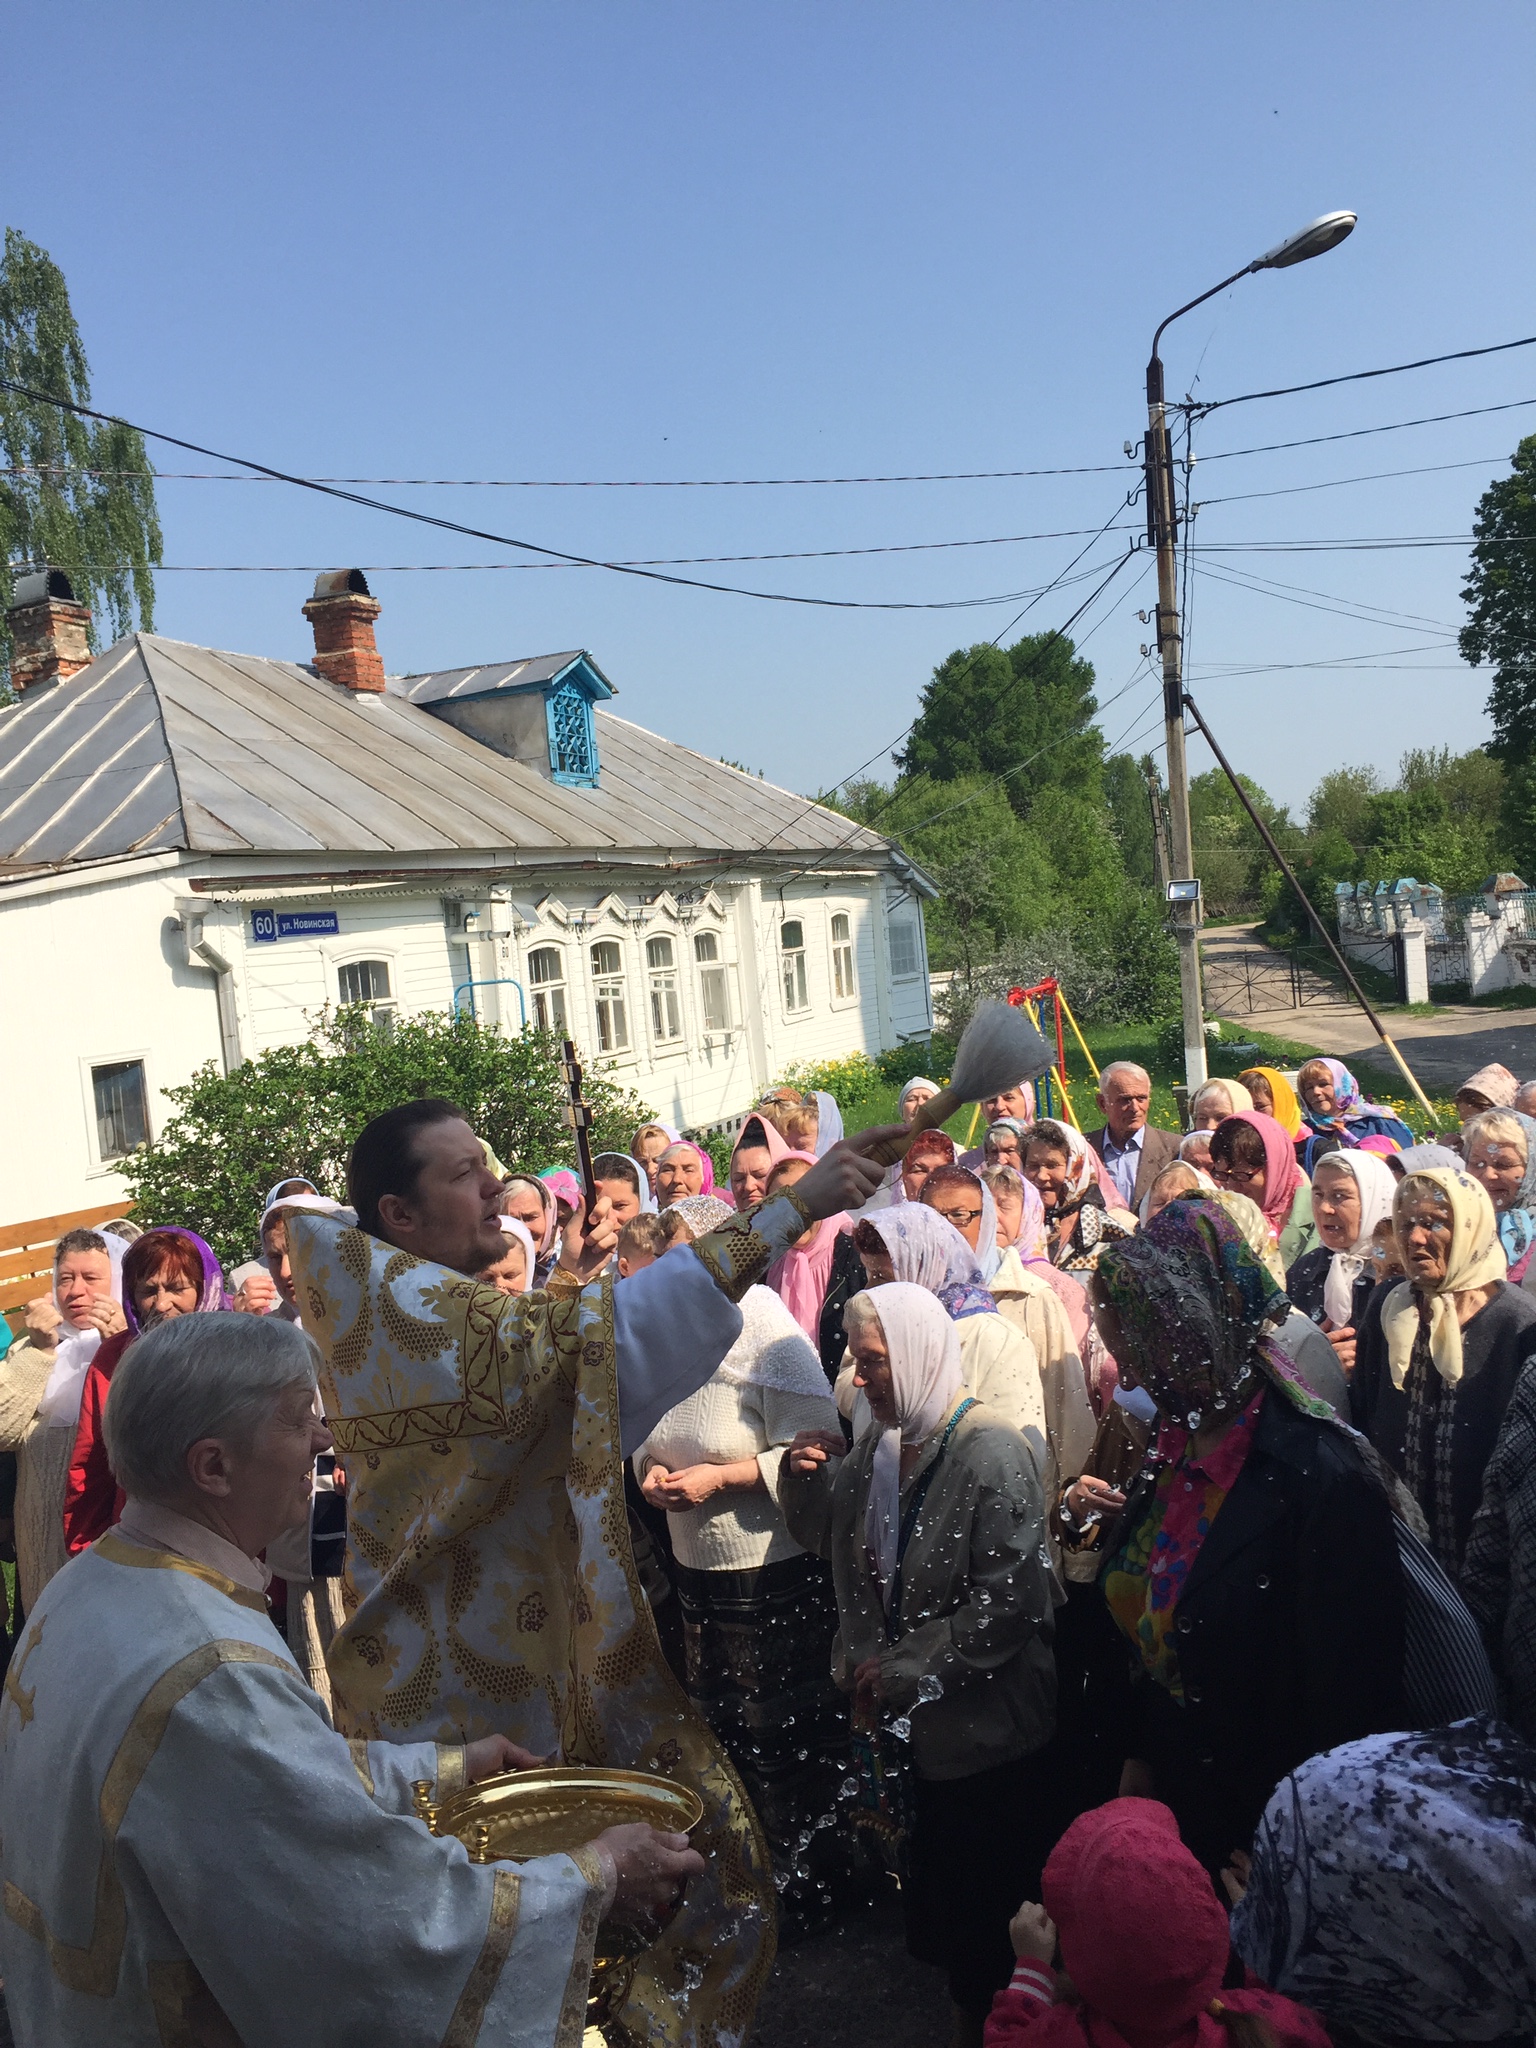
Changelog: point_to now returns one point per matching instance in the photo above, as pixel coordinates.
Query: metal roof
(490, 677)
(160, 746)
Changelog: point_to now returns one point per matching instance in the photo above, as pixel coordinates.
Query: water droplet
(901, 1728)
(848, 1788)
(929, 1688)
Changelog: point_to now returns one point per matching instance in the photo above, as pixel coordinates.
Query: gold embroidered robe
(491, 1586)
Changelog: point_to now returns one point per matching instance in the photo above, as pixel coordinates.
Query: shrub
(297, 1108)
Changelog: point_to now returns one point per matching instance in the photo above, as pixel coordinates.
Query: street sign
(268, 926)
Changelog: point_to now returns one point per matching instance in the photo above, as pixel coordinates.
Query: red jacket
(1022, 2016)
(92, 1498)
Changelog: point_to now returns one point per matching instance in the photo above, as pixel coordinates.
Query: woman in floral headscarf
(1439, 1354)
(1064, 1171)
(1333, 1105)
(1255, 1567)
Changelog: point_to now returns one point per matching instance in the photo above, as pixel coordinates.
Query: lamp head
(1315, 239)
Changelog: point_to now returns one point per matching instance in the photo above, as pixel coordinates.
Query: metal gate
(1248, 982)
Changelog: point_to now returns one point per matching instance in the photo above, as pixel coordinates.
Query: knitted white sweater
(734, 1416)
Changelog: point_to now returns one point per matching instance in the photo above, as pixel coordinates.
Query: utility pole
(1162, 531)
(1159, 832)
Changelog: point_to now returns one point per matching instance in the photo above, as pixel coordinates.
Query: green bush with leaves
(297, 1108)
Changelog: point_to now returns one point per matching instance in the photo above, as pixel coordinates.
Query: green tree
(1338, 805)
(75, 493)
(297, 1108)
(1230, 858)
(1130, 809)
(1500, 594)
(1023, 713)
(995, 879)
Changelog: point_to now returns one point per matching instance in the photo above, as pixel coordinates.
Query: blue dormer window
(572, 742)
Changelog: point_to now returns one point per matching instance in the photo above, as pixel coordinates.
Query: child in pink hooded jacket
(1144, 1949)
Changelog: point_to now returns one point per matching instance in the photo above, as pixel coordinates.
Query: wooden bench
(26, 1256)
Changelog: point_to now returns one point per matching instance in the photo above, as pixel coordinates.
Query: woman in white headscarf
(934, 1525)
(914, 1245)
(512, 1273)
(1352, 1191)
(41, 1380)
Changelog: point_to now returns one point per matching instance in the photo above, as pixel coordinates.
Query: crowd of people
(1124, 1539)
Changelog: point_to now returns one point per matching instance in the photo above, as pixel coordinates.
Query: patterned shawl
(1196, 1305)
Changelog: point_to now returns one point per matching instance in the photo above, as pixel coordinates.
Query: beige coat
(1034, 1309)
(42, 1466)
(971, 1663)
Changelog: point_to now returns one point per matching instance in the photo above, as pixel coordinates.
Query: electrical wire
(1460, 355)
(525, 483)
(1370, 615)
(1335, 483)
(1365, 544)
(1432, 419)
(836, 786)
(506, 540)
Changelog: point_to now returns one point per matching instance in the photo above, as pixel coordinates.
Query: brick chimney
(50, 629)
(342, 612)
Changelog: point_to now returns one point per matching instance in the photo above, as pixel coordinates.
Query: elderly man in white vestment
(191, 1853)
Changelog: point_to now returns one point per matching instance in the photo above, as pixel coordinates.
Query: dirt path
(1250, 983)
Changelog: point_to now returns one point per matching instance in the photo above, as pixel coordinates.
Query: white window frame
(843, 998)
(361, 956)
(88, 1063)
(665, 992)
(793, 973)
(558, 988)
(720, 966)
(911, 923)
(606, 987)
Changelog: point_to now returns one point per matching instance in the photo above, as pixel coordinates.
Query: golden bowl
(522, 1814)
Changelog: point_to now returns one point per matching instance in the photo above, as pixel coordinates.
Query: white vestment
(191, 1854)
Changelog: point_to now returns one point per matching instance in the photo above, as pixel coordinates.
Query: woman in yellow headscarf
(1439, 1353)
(1282, 1104)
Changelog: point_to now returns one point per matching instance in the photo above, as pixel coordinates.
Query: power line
(643, 562)
(1460, 355)
(1375, 476)
(1061, 579)
(1432, 419)
(506, 540)
(1262, 586)
(524, 483)
(1363, 544)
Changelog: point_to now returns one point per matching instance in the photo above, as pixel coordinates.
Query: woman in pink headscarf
(1253, 1155)
(758, 1151)
(684, 1170)
(820, 1271)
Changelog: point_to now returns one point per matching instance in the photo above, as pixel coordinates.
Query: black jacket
(1289, 1631)
(847, 1278)
(1305, 1280)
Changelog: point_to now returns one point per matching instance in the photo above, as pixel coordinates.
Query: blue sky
(590, 241)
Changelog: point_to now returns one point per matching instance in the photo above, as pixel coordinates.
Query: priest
(491, 1589)
(191, 1853)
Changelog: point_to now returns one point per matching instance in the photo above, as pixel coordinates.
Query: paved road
(855, 1986)
(1442, 1050)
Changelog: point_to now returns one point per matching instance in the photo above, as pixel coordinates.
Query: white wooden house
(199, 850)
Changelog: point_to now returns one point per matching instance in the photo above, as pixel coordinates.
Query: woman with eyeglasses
(1252, 1155)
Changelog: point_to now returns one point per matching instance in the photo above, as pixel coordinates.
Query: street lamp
(1313, 240)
